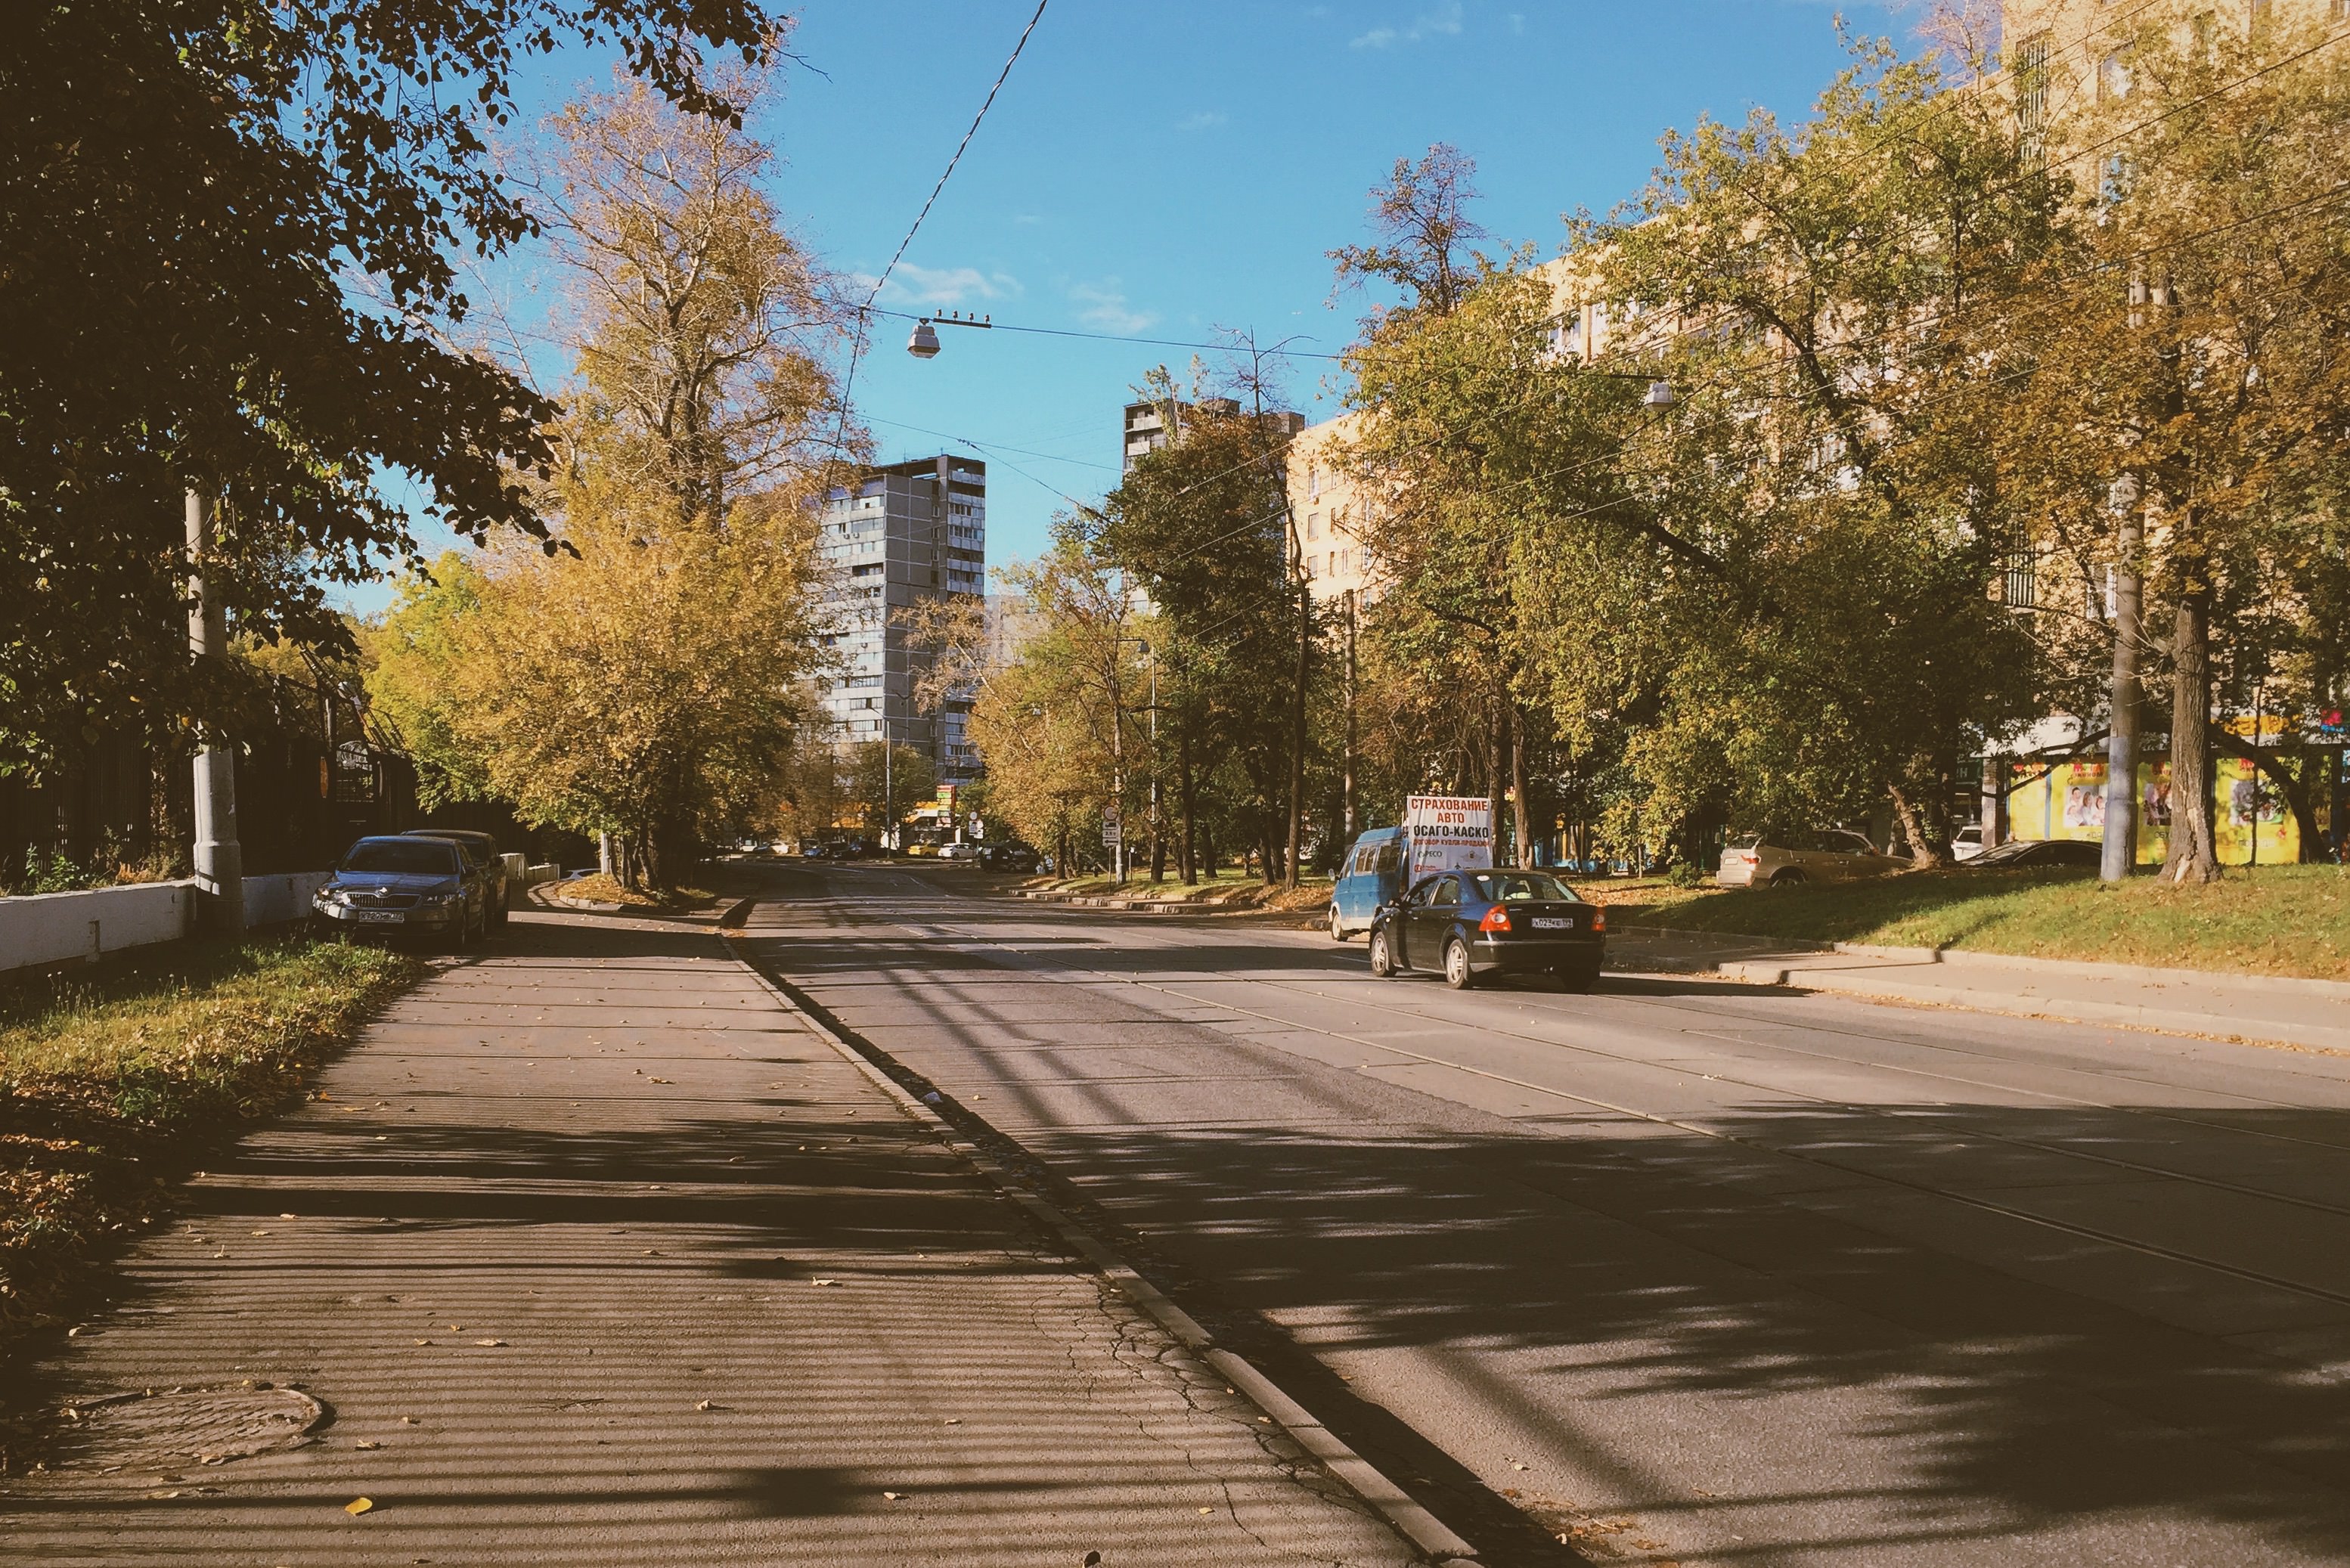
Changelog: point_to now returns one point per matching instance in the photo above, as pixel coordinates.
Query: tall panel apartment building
(905, 534)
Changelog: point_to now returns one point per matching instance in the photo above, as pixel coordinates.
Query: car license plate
(1554, 922)
(381, 916)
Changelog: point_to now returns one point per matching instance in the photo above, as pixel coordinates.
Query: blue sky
(1171, 170)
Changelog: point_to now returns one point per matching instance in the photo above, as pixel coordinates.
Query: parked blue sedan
(424, 886)
(1465, 925)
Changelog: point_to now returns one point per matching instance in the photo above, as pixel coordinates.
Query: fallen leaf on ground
(489, 1342)
(1207, 1510)
(423, 1342)
(824, 1282)
(895, 1495)
(365, 1443)
(955, 1420)
(359, 1505)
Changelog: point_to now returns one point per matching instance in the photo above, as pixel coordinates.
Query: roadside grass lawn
(602, 889)
(2270, 919)
(114, 1082)
(1228, 889)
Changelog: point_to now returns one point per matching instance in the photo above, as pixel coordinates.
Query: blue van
(1371, 875)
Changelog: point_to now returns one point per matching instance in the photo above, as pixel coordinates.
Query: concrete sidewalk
(591, 1252)
(2313, 1014)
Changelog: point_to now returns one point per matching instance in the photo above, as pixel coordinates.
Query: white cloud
(1205, 120)
(944, 288)
(1444, 21)
(1105, 307)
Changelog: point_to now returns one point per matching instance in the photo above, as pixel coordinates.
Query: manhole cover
(186, 1426)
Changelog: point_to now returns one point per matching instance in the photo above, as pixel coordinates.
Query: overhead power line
(1096, 336)
(857, 350)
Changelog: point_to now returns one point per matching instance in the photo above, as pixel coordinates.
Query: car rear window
(1522, 887)
(403, 856)
(1751, 841)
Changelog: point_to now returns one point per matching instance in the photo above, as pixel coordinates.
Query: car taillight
(1497, 919)
(1598, 920)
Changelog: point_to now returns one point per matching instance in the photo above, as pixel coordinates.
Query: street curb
(1140, 906)
(1968, 957)
(2232, 1027)
(1408, 1518)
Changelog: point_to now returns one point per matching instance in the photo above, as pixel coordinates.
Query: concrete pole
(1158, 854)
(1346, 773)
(2121, 741)
(218, 857)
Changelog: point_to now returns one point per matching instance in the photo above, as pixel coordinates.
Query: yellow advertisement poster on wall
(2253, 826)
(2067, 800)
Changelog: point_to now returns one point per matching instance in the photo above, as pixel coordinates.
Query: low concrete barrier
(58, 928)
(62, 928)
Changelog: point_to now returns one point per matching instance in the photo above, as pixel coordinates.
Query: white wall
(58, 928)
(52, 928)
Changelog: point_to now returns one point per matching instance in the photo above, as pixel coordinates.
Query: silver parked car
(1783, 859)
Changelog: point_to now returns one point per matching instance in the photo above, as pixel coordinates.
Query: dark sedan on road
(2076, 852)
(1464, 925)
(427, 886)
(1020, 859)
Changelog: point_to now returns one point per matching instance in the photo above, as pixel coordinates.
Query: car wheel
(1337, 931)
(1457, 973)
(1382, 957)
(1788, 876)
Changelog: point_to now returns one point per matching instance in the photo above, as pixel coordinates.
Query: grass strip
(2279, 920)
(602, 889)
(113, 1081)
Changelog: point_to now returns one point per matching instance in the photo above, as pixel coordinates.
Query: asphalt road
(1686, 1270)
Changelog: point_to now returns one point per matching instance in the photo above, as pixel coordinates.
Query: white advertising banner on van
(1448, 832)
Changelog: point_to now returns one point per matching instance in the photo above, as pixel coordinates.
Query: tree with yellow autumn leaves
(648, 672)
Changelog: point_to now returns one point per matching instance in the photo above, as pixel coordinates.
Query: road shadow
(2002, 1319)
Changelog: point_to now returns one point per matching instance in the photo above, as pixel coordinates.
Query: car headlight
(326, 896)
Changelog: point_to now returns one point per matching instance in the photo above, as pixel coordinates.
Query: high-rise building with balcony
(906, 533)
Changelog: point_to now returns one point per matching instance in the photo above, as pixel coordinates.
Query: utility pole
(1118, 759)
(2121, 736)
(1157, 845)
(1346, 763)
(218, 857)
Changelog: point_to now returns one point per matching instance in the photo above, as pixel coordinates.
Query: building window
(2113, 77)
(1312, 481)
(2020, 585)
(1314, 525)
(2114, 184)
(2032, 96)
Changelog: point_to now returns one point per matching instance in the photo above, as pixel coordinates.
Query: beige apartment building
(2062, 57)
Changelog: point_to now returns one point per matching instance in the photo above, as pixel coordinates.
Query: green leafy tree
(185, 193)
(1201, 525)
